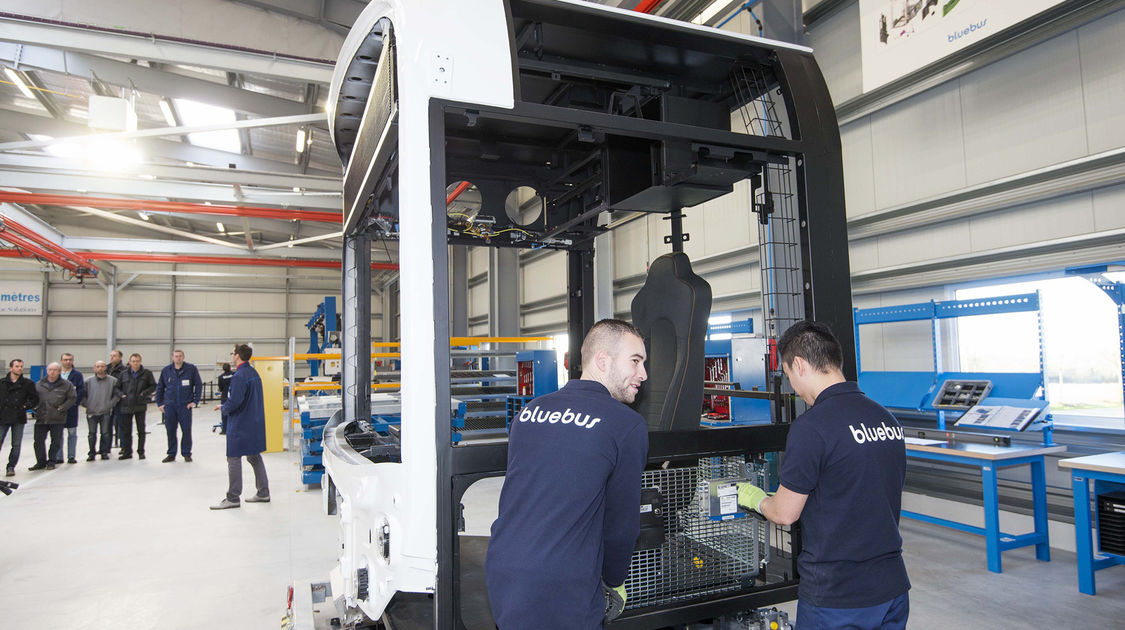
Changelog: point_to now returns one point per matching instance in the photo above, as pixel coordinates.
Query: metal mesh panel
(700, 556)
(756, 95)
(780, 249)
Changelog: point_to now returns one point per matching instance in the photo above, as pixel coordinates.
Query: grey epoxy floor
(131, 544)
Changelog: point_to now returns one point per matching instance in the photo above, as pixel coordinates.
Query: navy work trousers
(890, 615)
(177, 416)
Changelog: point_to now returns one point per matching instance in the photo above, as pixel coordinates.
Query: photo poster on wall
(901, 36)
(21, 298)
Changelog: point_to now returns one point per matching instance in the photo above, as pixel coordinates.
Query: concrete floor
(131, 544)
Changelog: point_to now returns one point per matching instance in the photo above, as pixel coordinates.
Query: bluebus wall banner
(21, 298)
(898, 37)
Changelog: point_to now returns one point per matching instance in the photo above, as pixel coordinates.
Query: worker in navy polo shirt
(842, 476)
(569, 509)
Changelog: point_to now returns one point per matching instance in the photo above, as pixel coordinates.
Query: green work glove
(750, 496)
(615, 597)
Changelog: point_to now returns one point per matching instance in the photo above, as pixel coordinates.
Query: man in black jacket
(17, 395)
(138, 385)
(115, 368)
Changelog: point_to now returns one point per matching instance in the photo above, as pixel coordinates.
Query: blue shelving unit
(915, 391)
(312, 447)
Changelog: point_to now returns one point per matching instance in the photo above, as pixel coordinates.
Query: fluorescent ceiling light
(221, 227)
(142, 214)
(296, 189)
(301, 141)
(18, 80)
(169, 117)
(193, 113)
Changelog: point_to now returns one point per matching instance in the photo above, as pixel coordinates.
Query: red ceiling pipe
(180, 207)
(33, 236)
(646, 6)
(30, 249)
(227, 260)
(462, 187)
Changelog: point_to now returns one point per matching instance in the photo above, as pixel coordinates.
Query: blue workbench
(1106, 469)
(989, 458)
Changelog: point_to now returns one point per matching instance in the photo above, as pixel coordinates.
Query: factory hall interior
(562, 314)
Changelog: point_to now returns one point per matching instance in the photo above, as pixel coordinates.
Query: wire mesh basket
(700, 556)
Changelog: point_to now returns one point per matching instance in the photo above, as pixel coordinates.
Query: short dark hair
(135, 354)
(244, 351)
(226, 367)
(605, 334)
(813, 342)
(14, 361)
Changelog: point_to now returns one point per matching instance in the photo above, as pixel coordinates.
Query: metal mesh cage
(755, 93)
(780, 249)
(700, 556)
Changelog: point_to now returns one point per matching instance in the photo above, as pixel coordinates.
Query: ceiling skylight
(193, 113)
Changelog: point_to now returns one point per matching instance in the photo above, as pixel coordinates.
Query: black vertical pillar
(580, 303)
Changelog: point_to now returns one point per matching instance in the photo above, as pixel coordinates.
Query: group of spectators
(116, 399)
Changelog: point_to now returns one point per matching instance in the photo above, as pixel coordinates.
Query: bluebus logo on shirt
(877, 434)
(534, 414)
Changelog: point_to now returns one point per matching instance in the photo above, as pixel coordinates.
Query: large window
(1080, 344)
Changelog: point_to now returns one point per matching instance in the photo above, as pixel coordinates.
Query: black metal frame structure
(613, 112)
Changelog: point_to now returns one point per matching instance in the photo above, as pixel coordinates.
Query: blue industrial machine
(938, 392)
(737, 362)
(324, 331)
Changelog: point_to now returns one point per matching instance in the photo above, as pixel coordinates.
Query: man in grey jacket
(102, 394)
(56, 396)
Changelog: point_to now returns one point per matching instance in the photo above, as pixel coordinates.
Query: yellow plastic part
(272, 374)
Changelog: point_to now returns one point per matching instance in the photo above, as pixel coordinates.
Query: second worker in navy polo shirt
(842, 475)
(569, 516)
(178, 391)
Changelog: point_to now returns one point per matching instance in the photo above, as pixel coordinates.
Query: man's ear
(602, 361)
(799, 366)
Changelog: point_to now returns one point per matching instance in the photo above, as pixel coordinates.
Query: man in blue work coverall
(178, 392)
(245, 411)
(842, 476)
(570, 506)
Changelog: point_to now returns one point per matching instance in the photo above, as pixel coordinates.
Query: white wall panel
(863, 254)
(142, 328)
(77, 327)
(630, 248)
(478, 260)
(1109, 208)
(19, 327)
(478, 300)
(1066, 216)
(1102, 48)
(727, 221)
(917, 147)
(133, 300)
(28, 352)
(76, 298)
(543, 278)
(554, 317)
(934, 241)
(859, 174)
(1024, 112)
(835, 43)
